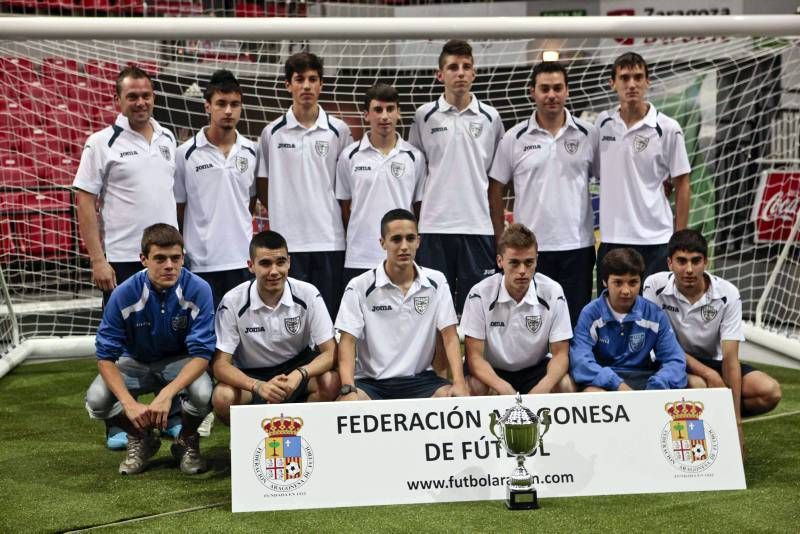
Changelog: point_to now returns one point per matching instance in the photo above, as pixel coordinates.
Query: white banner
(439, 450)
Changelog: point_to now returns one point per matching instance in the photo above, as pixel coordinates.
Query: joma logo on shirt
(608, 138)
(362, 168)
(382, 308)
(531, 147)
(286, 145)
(497, 323)
(254, 329)
(668, 307)
(439, 129)
(203, 167)
(128, 153)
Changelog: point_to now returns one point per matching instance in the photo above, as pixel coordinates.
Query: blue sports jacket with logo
(150, 325)
(602, 346)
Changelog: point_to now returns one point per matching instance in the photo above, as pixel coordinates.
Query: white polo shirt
(396, 333)
(301, 166)
(459, 147)
(516, 335)
(260, 336)
(700, 327)
(633, 166)
(217, 224)
(551, 180)
(133, 181)
(375, 183)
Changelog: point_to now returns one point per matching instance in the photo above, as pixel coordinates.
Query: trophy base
(521, 499)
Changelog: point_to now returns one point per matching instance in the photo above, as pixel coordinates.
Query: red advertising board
(776, 206)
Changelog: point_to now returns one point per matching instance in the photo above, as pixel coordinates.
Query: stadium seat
(177, 8)
(18, 70)
(47, 235)
(101, 70)
(17, 170)
(67, 119)
(150, 67)
(7, 247)
(59, 68)
(10, 140)
(57, 169)
(248, 9)
(128, 7)
(96, 6)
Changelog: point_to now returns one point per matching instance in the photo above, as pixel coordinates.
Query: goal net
(736, 97)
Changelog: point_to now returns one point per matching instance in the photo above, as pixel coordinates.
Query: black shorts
(122, 270)
(573, 270)
(523, 380)
(655, 260)
(420, 386)
(325, 271)
(223, 281)
(717, 366)
(268, 373)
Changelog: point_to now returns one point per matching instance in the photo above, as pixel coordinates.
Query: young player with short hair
(274, 336)
(296, 179)
(379, 173)
(512, 321)
(461, 215)
(639, 149)
(214, 185)
(549, 157)
(616, 332)
(156, 336)
(390, 316)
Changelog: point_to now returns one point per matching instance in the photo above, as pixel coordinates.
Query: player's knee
(222, 399)
(476, 387)
(99, 399)
(695, 382)
(565, 385)
(328, 385)
(772, 394)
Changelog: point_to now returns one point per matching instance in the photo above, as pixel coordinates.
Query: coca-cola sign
(776, 206)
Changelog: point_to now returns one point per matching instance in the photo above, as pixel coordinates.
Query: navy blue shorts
(420, 386)
(324, 270)
(122, 270)
(573, 270)
(464, 260)
(655, 260)
(349, 274)
(268, 373)
(717, 366)
(223, 281)
(523, 380)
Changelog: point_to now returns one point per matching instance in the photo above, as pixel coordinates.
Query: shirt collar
(201, 140)
(322, 119)
(256, 302)
(712, 292)
(382, 279)
(123, 122)
(635, 314)
(366, 144)
(569, 122)
(648, 120)
(473, 106)
(531, 297)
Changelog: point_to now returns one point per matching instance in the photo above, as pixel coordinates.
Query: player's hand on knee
(714, 380)
(274, 391)
(139, 415)
(507, 389)
(293, 381)
(349, 397)
(459, 390)
(103, 275)
(159, 411)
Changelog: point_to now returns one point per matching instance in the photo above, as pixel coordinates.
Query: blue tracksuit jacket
(149, 325)
(601, 346)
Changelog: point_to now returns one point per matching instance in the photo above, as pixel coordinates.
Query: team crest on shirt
(708, 312)
(571, 145)
(421, 304)
(533, 323)
(397, 169)
(179, 323)
(475, 129)
(292, 324)
(322, 148)
(640, 142)
(241, 163)
(165, 152)
(636, 341)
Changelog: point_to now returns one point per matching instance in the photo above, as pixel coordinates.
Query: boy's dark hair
(688, 240)
(383, 92)
(160, 235)
(301, 62)
(398, 214)
(621, 261)
(267, 239)
(455, 47)
(517, 236)
(131, 71)
(548, 67)
(629, 60)
(222, 81)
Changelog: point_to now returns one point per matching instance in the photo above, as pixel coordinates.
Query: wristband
(303, 372)
(254, 389)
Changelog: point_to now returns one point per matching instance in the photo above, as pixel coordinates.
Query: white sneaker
(205, 427)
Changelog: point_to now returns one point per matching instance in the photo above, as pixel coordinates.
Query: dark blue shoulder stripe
(191, 148)
(605, 121)
(279, 125)
(410, 155)
(542, 302)
(117, 132)
(330, 126)
(247, 303)
(168, 134)
(491, 306)
(253, 152)
(433, 283)
(432, 111)
(354, 151)
(371, 288)
(522, 131)
(660, 290)
(659, 130)
(484, 112)
(583, 130)
(297, 299)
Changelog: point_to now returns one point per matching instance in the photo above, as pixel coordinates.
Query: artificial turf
(56, 475)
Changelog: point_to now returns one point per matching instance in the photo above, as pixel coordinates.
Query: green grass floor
(56, 475)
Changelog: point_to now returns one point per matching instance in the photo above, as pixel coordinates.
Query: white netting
(733, 96)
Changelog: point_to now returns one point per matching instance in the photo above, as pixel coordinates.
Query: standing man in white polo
(296, 177)
(390, 317)
(513, 321)
(462, 209)
(214, 183)
(639, 150)
(274, 336)
(549, 157)
(379, 173)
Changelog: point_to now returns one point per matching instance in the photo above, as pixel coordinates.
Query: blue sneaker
(172, 431)
(117, 439)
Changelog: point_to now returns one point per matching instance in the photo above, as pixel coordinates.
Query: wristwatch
(347, 389)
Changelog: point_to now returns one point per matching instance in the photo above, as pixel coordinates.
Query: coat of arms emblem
(640, 143)
(165, 152)
(533, 323)
(421, 304)
(321, 148)
(241, 163)
(397, 169)
(475, 129)
(708, 312)
(571, 145)
(292, 324)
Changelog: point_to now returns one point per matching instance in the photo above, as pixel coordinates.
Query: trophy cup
(520, 433)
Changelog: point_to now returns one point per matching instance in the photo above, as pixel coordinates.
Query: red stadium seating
(7, 247)
(59, 68)
(17, 170)
(41, 222)
(247, 9)
(58, 169)
(104, 70)
(18, 70)
(150, 67)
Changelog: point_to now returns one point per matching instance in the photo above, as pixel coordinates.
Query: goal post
(731, 81)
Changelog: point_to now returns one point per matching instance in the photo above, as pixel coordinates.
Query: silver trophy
(520, 433)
